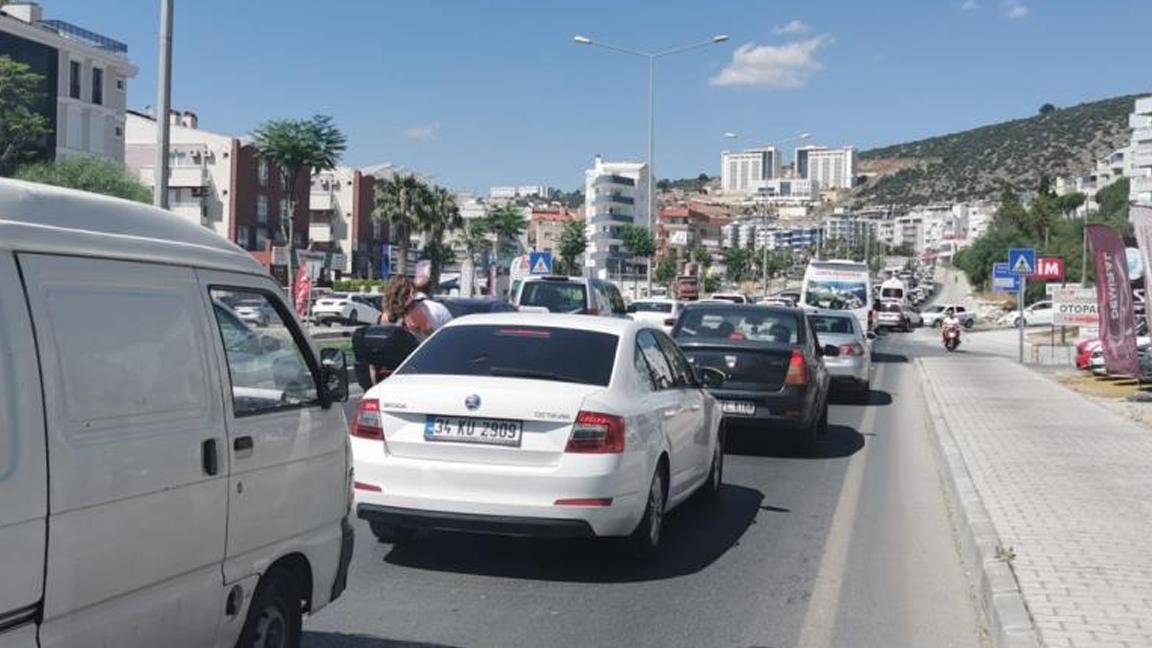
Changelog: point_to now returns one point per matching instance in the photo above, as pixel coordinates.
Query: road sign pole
(1020, 319)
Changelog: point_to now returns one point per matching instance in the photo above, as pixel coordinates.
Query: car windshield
(652, 307)
(556, 296)
(751, 324)
(544, 353)
(832, 324)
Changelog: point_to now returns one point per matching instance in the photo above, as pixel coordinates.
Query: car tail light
(365, 486)
(367, 424)
(797, 371)
(596, 433)
(853, 349)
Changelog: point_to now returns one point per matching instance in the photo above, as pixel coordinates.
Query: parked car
(1038, 314)
(254, 311)
(200, 486)
(851, 369)
(572, 295)
(773, 360)
(618, 430)
(349, 308)
(934, 315)
(659, 312)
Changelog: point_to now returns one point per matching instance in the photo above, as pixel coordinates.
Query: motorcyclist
(950, 323)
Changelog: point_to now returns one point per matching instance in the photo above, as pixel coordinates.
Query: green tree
(404, 202)
(507, 224)
(475, 239)
(23, 130)
(739, 263)
(573, 242)
(1047, 109)
(702, 256)
(299, 148)
(665, 271)
(638, 240)
(87, 174)
(443, 215)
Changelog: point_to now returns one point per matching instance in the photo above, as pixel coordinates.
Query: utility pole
(163, 107)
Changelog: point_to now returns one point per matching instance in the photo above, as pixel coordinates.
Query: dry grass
(1085, 383)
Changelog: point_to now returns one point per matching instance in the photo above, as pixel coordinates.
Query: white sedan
(657, 311)
(345, 307)
(537, 425)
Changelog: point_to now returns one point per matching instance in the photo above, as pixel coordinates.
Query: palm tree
(299, 147)
(507, 223)
(402, 201)
(443, 215)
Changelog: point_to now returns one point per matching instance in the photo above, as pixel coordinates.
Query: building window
(284, 213)
(376, 230)
(261, 238)
(120, 84)
(261, 209)
(262, 172)
(98, 86)
(244, 237)
(119, 131)
(74, 79)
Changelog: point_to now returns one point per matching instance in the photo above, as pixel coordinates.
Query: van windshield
(556, 296)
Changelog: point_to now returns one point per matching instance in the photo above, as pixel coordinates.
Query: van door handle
(242, 443)
(209, 460)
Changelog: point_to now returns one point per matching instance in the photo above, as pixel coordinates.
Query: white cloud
(773, 66)
(969, 5)
(793, 27)
(425, 133)
(1017, 10)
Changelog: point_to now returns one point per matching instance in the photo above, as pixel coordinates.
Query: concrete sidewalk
(1067, 485)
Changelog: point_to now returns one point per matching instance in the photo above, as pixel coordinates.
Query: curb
(1010, 622)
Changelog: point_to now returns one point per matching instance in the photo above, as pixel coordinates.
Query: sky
(478, 93)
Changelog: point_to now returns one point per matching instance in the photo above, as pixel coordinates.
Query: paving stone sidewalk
(1068, 485)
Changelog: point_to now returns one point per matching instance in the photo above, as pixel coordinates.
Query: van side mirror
(710, 377)
(334, 374)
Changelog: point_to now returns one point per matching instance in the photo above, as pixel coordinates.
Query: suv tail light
(596, 433)
(367, 424)
(797, 371)
(853, 349)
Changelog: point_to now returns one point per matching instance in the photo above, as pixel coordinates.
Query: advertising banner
(1075, 307)
(1141, 217)
(303, 290)
(1114, 299)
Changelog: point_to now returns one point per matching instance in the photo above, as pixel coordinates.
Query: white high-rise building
(615, 195)
(85, 79)
(741, 172)
(1140, 190)
(830, 168)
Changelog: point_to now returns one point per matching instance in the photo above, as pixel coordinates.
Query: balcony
(320, 232)
(1142, 157)
(613, 199)
(191, 211)
(89, 38)
(601, 217)
(186, 177)
(612, 179)
(1141, 186)
(321, 202)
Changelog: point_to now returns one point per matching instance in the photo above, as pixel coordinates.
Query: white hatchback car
(537, 425)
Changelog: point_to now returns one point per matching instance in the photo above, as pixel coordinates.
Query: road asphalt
(851, 548)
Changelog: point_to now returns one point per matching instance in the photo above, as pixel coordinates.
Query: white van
(169, 476)
(839, 285)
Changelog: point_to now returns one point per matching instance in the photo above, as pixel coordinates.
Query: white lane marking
(824, 604)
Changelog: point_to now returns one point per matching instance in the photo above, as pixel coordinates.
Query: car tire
(711, 488)
(969, 323)
(274, 617)
(645, 540)
(390, 533)
(353, 317)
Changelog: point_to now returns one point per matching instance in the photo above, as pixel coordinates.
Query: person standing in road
(416, 313)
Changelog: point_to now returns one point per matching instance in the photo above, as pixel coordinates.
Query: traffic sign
(540, 262)
(1049, 269)
(1004, 280)
(1022, 261)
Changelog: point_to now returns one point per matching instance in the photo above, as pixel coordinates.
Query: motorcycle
(951, 337)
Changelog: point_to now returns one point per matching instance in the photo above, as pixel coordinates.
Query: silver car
(853, 367)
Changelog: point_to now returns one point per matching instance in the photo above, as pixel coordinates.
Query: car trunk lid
(760, 366)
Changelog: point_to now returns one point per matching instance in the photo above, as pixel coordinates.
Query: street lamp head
(582, 40)
(730, 135)
(719, 38)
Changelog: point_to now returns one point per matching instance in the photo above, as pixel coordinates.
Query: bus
(839, 285)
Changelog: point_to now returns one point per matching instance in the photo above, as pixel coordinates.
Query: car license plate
(738, 407)
(460, 429)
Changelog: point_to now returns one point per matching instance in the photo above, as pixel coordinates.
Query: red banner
(1141, 218)
(303, 290)
(1049, 269)
(1114, 296)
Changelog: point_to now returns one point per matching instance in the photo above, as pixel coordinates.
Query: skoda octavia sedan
(537, 425)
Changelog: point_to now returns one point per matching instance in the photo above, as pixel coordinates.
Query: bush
(359, 285)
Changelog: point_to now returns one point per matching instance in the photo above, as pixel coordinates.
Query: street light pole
(163, 106)
(651, 56)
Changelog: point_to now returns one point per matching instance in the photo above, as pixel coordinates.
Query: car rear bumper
(475, 523)
(843, 370)
(788, 409)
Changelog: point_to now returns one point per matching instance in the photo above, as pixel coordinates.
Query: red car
(1084, 349)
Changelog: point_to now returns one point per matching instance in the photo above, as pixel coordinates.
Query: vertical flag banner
(1141, 217)
(303, 288)
(1114, 295)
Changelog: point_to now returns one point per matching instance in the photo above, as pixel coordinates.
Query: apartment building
(340, 222)
(851, 229)
(1140, 189)
(616, 194)
(742, 172)
(85, 82)
(786, 191)
(684, 227)
(520, 191)
(546, 226)
(830, 168)
(795, 238)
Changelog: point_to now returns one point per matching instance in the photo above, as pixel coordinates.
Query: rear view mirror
(710, 377)
(334, 370)
(830, 350)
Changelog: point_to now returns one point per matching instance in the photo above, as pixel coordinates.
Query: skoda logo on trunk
(472, 402)
(730, 360)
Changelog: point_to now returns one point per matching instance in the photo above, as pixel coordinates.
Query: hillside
(975, 163)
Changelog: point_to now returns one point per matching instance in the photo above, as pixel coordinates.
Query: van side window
(268, 369)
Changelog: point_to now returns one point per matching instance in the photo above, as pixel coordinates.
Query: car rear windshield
(556, 296)
(544, 353)
(652, 307)
(832, 324)
(753, 324)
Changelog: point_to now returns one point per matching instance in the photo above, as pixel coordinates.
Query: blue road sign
(1004, 280)
(1022, 261)
(540, 262)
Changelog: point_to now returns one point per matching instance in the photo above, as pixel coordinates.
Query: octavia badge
(472, 402)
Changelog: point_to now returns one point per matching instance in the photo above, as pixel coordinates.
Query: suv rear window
(556, 296)
(544, 353)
